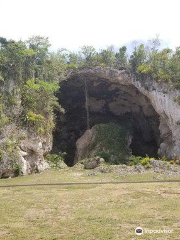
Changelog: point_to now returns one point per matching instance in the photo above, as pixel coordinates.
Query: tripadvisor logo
(139, 231)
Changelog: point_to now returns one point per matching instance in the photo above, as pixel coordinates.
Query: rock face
(114, 96)
(84, 145)
(117, 96)
(24, 153)
(92, 162)
(162, 99)
(32, 151)
(109, 140)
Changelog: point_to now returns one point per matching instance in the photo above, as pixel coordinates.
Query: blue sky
(74, 23)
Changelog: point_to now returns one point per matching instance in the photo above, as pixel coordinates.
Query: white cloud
(73, 23)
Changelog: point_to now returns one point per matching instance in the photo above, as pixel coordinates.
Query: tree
(85, 83)
(159, 67)
(73, 59)
(40, 46)
(153, 45)
(107, 56)
(12, 59)
(87, 103)
(121, 58)
(55, 65)
(138, 57)
(88, 54)
(38, 100)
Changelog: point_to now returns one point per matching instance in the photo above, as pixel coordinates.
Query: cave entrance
(108, 101)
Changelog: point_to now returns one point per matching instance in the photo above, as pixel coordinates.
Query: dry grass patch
(89, 212)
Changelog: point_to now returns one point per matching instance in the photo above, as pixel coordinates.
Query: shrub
(3, 118)
(105, 155)
(17, 169)
(54, 160)
(134, 160)
(112, 143)
(38, 101)
(1, 155)
(163, 158)
(33, 117)
(148, 165)
(172, 162)
(9, 151)
(177, 161)
(146, 160)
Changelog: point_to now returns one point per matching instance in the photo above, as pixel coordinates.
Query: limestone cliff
(162, 98)
(23, 151)
(114, 96)
(118, 96)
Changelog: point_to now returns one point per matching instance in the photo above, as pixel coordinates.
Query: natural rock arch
(118, 96)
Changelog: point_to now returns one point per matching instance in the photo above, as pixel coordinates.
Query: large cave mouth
(109, 101)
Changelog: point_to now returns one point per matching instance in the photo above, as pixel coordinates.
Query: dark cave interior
(108, 102)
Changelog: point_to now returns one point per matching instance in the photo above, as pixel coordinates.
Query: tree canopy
(30, 73)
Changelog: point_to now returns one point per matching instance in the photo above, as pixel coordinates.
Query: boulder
(109, 141)
(92, 162)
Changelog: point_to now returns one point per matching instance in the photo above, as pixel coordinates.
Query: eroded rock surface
(117, 96)
(108, 140)
(24, 152)
(114, 96)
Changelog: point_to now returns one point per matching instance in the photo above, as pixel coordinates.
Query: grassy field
(89, 212)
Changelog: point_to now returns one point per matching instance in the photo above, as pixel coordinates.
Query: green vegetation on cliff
(112, 143)
(28, 80)
(30, 74)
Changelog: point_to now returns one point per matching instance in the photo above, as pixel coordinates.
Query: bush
(105, 155)
(148, 165)
(134, 160)
(54, 160)
(17, 169)
(112, 143)
(177, 161)
(33, 118)
(146, 160)
(163, 158)
(38, 101)
(172, 162)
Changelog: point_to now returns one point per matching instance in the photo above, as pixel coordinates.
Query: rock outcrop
(117, 96)
(105, 140)
(162, 99)
(84, 145)
(92, 163)
(23, 152)
(114, 96)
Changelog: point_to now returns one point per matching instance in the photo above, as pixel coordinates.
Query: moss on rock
(109, 141)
